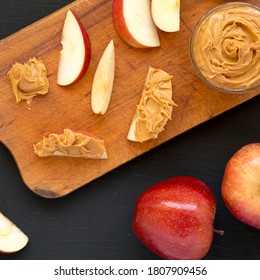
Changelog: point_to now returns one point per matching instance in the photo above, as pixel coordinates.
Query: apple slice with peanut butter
(155, 107)
(70, 143)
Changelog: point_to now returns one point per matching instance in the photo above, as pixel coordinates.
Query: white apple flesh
(103, 81)
(76, 50)
(12, 239)
(166, 14)
(134, 24)
(241, 185)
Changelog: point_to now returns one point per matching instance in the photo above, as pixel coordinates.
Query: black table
(94, 222)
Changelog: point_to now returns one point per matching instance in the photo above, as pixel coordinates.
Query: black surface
(94, 222)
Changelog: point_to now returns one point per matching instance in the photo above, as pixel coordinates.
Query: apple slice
(134, 24)
(155, 107)
(12, 239)
(77, 144)
(103, 81)
(76, 49)
(166, 14)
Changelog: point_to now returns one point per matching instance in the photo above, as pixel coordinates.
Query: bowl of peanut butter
(225, 47)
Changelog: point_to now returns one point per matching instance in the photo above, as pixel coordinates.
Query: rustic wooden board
(69, 107)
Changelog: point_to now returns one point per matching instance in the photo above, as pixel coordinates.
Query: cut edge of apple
(76, 51)
(59, 154)
(131, 132)
(12, 239)
(132, 128)
(134, 24)
(103, 81)
(166, 14)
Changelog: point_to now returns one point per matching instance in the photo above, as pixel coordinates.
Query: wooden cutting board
(69, 107)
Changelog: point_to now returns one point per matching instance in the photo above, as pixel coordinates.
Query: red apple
(241, 185)
(174, 218)
(12, 239)
(134, 24)
(76, 50)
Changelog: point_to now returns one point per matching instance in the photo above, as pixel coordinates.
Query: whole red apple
(174, 218)
(241, 185)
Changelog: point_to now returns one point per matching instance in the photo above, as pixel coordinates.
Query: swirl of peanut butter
(28, 80)
(227, 47)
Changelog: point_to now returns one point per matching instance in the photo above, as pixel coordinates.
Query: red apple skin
(241, 185)
(174, 218)
(87, 49)
(86, 133)
(120, 25)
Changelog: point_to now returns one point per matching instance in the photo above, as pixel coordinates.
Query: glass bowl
(225, 47)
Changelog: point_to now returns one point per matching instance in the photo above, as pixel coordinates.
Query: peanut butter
(226, 47)
(71, 144)
(28, 80)
(155, 107)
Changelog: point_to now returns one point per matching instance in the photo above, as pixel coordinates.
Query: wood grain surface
(69, 107)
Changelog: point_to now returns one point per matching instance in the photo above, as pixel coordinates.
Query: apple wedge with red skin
(134, 24)
(174, 218)
(68, 140)
(12, 239)
(104, 156)
(241, 185)
(76, 51)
